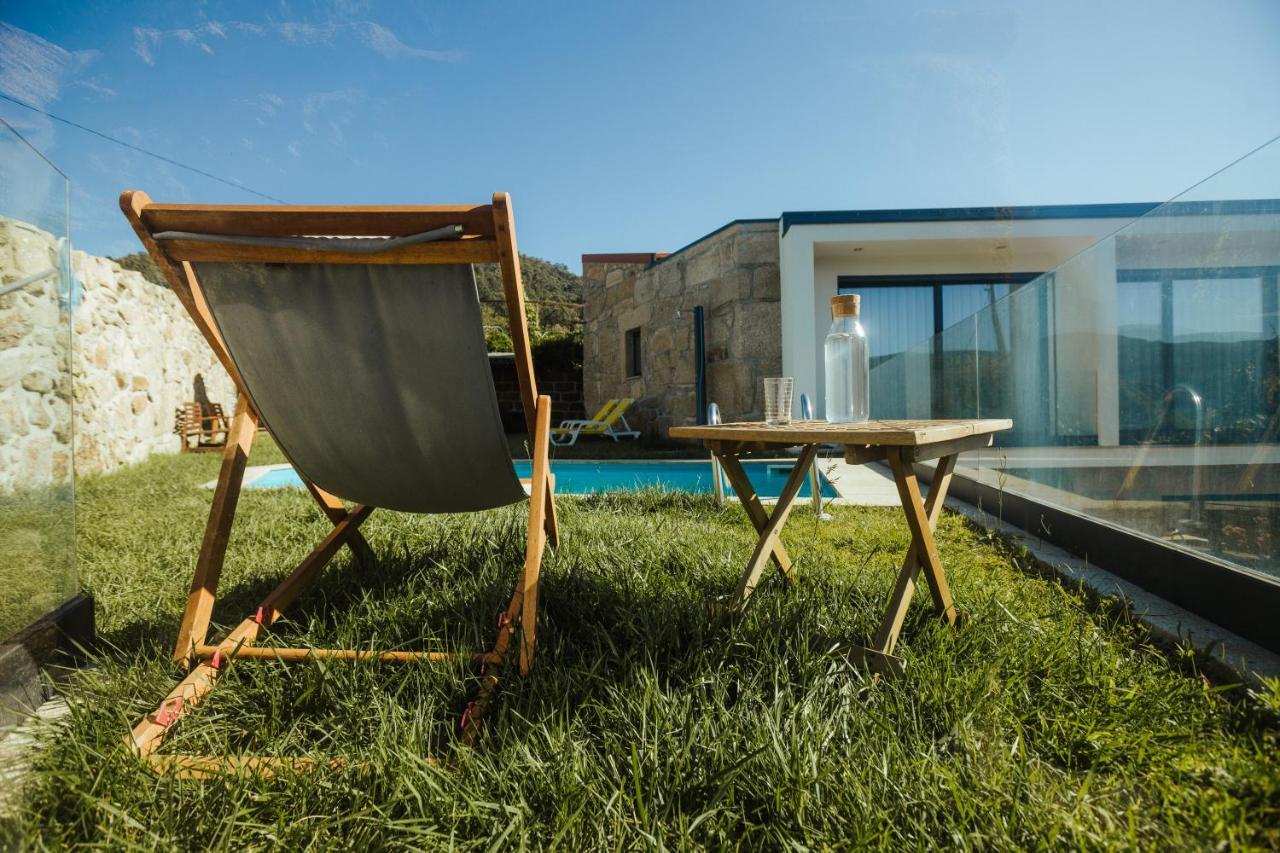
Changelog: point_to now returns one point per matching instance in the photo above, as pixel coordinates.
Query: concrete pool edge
(855, 485)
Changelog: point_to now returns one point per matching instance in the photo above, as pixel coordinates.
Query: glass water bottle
(847, 365)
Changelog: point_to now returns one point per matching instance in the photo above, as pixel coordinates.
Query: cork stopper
(845, 305)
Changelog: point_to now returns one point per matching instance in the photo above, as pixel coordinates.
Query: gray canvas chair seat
(374, 379)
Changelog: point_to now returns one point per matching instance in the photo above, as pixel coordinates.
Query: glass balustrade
(1142, 375)
(37, 548)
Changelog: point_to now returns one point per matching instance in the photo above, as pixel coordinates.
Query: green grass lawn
(1042, 723)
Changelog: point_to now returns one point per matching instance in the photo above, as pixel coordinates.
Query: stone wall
(733, 274)
(134, 360)
(563, 386)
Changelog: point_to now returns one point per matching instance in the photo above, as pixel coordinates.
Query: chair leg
(523, 609)
(148, 734)
(541, 511)
(553, 517)
(213, 549)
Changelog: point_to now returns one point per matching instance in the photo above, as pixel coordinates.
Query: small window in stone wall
(634, 362)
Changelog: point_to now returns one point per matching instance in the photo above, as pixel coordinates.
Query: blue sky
(641, 126)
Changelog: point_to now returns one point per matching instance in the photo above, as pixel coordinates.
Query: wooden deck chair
(354, 334)
(606, 422)
(201, 427)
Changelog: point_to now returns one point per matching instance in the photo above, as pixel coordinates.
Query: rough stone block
(13, 419)
(671, 280)
(729, 385)
(40, 381)
(13, 365)
(678, 402)
(702, 267)
(39, 416)
(130, 313)
(732, 286)
(756, 247)
(638, 316)
(621, 292)
(757, 333)
(646, 287)
(766, 282)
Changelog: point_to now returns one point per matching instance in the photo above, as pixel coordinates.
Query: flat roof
(1125, 210)
(1130, 210)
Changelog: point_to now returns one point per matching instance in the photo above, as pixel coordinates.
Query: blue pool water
(588, 477)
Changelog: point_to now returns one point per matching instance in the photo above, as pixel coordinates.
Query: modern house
(1135, 347)
(763, 287)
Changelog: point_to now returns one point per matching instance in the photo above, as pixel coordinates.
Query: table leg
(754, 509)
(768, 526)
(922, 518)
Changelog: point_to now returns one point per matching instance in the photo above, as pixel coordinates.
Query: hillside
(544, 282)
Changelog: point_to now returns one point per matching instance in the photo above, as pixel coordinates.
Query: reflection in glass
(1142, 375)
(37, 553)
(895, 318)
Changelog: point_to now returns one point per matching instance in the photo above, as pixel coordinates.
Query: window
(634, 362)
(900, 312)
(1208, 331)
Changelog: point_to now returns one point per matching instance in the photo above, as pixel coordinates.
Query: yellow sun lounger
(606, 423)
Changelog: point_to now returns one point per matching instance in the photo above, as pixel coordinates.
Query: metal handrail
(1197, 469)
(815, 481)
(717, 475)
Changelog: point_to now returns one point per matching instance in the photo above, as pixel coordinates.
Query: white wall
(812, 257)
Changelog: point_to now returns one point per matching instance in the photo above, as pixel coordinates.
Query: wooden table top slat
(897, 433)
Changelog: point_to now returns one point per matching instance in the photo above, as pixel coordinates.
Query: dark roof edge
(1130, 210)
(622, 257)
(965, 214)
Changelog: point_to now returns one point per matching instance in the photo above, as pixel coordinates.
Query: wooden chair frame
(489, 237)
(209, 429)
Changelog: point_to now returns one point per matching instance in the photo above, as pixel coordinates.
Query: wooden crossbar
(203, 767)
(266, 220)
(292, 654)
(467, 251)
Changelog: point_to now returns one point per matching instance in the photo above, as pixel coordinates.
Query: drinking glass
(777, 400)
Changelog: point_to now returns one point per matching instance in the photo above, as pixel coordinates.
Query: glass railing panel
(37, 549)
(1142, 375)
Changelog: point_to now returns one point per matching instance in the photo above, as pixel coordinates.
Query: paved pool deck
(860, 485)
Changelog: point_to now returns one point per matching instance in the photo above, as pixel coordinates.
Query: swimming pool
(583, 477)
